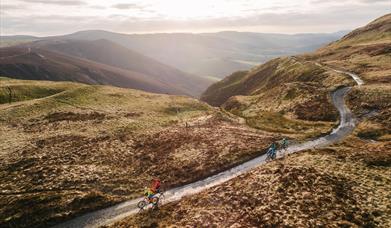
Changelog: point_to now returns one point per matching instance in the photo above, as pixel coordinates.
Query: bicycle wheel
(141, 204)
(267, 158)
(155, 203)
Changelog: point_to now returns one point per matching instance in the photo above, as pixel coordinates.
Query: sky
(56, 17)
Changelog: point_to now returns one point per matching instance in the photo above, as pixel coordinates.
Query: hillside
(287, 84)
(212, 54)
(365, 51)
(109, 53)
(37, 64)
(342, 185)
(72, 148)
(279, 96)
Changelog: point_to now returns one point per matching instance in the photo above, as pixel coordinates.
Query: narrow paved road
(122, 210)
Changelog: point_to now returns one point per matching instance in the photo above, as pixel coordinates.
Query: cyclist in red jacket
(155, 187)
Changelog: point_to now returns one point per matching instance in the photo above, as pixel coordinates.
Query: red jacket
(155, 185)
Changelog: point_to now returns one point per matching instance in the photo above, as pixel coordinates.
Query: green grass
(152, 110)
(278, 123)
(364, 39)
(12, 90)
(25, 92)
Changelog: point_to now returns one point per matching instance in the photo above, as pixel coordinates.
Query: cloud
(349, 1)
(330, 16)
(10, 7)
(57, 2)
(127, 6)
(373, 1)
(97, 7)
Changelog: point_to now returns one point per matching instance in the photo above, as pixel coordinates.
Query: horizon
(43, 18)
(174, 32)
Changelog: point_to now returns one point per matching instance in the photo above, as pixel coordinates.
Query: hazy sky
(54, 17)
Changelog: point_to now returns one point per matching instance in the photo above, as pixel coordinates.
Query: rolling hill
(72, 148)
(109, 53)
(96, 62)
(213, 54)
(34, 64)
(209, 54)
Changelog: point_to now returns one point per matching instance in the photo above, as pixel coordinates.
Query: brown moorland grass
(344, 185)
(86, 147)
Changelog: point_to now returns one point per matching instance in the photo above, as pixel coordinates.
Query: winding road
(122, 210)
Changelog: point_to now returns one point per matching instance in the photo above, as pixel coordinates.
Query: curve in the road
(122, 210)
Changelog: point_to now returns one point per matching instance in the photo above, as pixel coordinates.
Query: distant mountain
(209, 54)
(40, 64)
(212, 54)
(110, 53)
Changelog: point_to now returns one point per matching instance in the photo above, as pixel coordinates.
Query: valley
(206, 54)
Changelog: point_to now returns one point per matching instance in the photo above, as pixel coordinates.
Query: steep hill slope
(365, 51)
(279, 96)
(109, 53)
(71, 148)
(287, 84)
(39, 64)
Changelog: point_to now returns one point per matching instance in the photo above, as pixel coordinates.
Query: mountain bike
(151, 202)
(271, 155)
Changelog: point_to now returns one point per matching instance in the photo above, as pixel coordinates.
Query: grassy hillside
(291, 89)
(344, 185)
(365, 51)
(38, 64)
(71, 148)
(279, 96)
(270, 76)
(112, 54)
